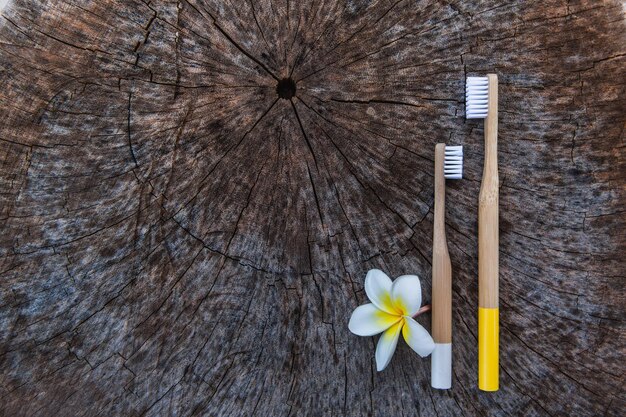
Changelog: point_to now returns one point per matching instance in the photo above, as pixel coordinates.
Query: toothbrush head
(453, 163)
(476, 97)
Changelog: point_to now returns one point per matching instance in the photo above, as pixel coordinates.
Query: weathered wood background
(178, 240)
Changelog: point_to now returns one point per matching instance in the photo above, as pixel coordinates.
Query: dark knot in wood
(286, 88)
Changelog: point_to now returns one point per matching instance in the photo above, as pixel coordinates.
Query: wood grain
(179, 240)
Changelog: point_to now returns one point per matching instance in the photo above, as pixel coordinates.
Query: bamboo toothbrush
(448, 165)
(481, 100)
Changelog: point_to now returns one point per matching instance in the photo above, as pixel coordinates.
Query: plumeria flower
(392, 308)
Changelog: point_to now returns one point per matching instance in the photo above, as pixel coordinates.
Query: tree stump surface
(193, 192)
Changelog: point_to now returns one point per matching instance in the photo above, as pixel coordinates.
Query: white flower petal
(417, 337)
(378, 290)
(387, 345)
(368, 320)
(406, 294)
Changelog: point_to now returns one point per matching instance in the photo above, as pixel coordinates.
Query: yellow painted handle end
(488, 361)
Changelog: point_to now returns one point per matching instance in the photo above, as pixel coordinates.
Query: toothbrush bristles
(453, 163)
(476, 97)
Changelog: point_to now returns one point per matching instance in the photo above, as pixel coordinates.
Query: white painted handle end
(441, 366)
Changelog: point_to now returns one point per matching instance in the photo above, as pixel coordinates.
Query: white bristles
(476, 97)
(453, 163)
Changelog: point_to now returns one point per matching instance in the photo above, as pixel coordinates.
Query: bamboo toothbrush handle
(488, 236)
(441, 360)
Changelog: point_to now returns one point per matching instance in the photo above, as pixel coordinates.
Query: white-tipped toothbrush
(448, 165)
(481, 102)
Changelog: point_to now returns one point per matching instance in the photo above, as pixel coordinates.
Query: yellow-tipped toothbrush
(481, 101)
